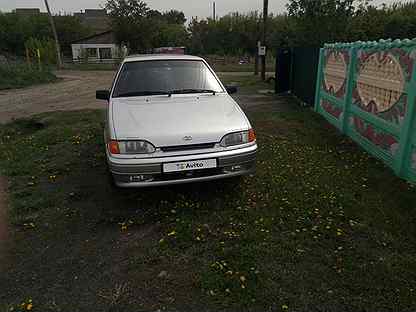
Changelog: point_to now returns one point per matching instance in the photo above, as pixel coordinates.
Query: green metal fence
(368, 91)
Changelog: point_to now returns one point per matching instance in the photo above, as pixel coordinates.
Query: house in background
(98, 48)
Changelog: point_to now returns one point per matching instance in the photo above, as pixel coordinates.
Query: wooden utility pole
(258, 44)
(55, 35)
(265, 17)
(256, 61)
(214, 13)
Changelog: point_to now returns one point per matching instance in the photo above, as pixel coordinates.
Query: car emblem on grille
(187, 138)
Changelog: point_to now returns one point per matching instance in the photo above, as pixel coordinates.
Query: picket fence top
(381, 44)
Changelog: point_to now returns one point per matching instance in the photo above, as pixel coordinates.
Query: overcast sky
(200, 8)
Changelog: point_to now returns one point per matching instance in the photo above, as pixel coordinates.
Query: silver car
(170, 120)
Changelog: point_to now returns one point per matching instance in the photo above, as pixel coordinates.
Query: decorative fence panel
(368, 91)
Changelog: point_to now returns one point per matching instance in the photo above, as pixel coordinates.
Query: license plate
(190, 165)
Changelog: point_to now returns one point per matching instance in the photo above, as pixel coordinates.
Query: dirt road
(76, 90)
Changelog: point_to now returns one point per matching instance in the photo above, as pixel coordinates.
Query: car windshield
(165, 77)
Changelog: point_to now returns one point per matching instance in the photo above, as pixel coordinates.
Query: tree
(401, 21)
(198, 31)
(307, 23)
(133, 9)
(70, 28)
(174, 17)
(368, 24)
(282, 32)
(15, 30)
(154, 14)
(171, 35)
(132, 20)
(321, 21)
(232, 34)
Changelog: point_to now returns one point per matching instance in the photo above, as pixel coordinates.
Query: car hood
(165, 121)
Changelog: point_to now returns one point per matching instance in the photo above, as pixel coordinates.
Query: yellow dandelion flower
(29, 307)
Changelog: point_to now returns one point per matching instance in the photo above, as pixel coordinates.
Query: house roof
(104, 37)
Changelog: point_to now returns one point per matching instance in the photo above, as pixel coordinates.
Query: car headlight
(131, 147)
(238, 138)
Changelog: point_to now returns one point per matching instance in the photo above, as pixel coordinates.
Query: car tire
(110, 179)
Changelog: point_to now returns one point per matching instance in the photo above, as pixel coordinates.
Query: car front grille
(179, 148)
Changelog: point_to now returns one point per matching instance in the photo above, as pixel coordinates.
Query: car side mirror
(102, 95)
(231, 89)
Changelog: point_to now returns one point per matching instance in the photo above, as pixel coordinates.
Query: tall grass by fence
(19, 74)
(368, 91)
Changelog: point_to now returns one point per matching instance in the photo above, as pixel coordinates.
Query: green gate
(368, 91)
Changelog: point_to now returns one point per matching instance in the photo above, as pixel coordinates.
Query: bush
(45, 47)
(22, 75)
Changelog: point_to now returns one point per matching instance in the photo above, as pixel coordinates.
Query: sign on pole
(262, 50)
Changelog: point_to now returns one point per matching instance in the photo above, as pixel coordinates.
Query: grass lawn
(20, 75)
(321, 227)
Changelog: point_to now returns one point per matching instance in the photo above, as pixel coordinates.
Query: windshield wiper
(143, 93)
(161, 92)
(186, 91)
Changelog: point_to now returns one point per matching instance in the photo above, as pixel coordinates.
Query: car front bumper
(149, 171)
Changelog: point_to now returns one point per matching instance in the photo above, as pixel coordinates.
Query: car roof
(160, 57)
